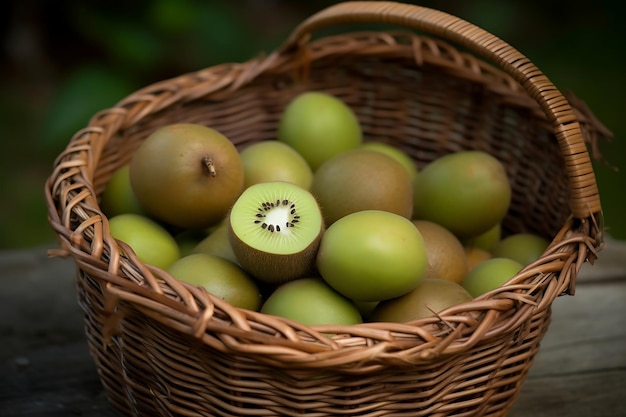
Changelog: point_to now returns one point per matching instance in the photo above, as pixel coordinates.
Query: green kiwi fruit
(521, 247)
(467, 192)
(362, 179)
(319, 125)
(271, 160)
(150, 241)
(274, 230)
(219, 277)
(216, 243)
(372, 255)
(311, 301)
(118, 196)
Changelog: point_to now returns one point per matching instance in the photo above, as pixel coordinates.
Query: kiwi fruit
(486, 240)
(219, 277)
(319, 125)
(118, 196)
(310, 301)
(362, 179)
(476, 255)
(521, 247)
(151, 242)
(187, 175)
(430, 297)
(216, 243)
(398, 154)
(468, 192)
(445, 253)
(372, 255)
(271, 160)
(274, 231)
(490, 274)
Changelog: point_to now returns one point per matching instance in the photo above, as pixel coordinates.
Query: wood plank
(594, 394)
(55, 381)
(610, 265)
(580, 369)
(38, 305)
(586, 333)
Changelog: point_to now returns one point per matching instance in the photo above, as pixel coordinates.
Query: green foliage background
(62, 61)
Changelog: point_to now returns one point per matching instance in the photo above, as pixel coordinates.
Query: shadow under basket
(436, 85)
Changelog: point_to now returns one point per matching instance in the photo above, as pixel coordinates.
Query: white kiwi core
(276, 217)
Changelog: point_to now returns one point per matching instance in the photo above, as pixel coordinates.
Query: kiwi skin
(272, 268)
(272, 160)
(362, 179)
(216, 243)
(186, 175)
(278, 266)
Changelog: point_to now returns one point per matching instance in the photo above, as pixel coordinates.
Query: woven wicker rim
(71, 195)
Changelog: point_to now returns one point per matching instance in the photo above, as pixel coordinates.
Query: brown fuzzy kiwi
(186, 175)
(362, 179)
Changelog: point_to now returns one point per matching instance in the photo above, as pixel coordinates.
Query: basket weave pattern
(166, 348)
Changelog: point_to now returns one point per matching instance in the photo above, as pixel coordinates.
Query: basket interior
(427, 109)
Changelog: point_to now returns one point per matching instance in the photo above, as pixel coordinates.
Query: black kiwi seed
(267, 206)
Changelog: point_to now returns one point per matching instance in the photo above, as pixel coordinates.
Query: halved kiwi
(275, 230)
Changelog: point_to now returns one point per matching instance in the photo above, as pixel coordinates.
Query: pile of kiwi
(320, 225)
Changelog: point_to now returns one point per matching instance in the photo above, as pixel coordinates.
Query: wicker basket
(164, 348)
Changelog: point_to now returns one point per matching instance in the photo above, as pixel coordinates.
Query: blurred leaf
(126, 40)
(220, 36)
(173, 16)
(85, 92)
(135, 46)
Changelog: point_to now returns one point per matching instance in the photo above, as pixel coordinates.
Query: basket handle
(585, 200)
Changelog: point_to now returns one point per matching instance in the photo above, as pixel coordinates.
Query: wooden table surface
(46, 371)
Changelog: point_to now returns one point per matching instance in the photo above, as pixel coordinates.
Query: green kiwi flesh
(275, 230)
